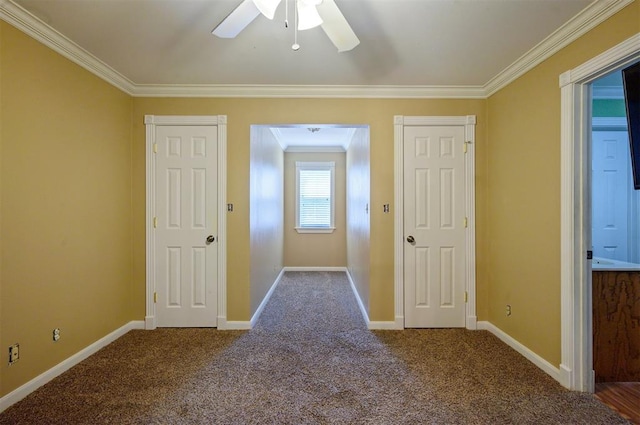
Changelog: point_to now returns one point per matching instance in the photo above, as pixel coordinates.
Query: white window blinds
(315, 195)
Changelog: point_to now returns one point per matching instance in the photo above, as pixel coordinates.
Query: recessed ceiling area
(314, 137)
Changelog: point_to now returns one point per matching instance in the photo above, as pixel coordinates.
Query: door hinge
(465, 146)
(155, 297)
(466, 222)
(155, 222)
(466, 297)
(155, 148)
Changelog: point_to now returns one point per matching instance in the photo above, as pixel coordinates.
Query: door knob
(210, 239)
(410, 239)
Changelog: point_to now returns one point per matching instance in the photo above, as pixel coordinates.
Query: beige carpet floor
(309, 360)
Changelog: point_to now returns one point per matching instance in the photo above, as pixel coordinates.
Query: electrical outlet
(56, 334)
(14, 353)
(508, 310)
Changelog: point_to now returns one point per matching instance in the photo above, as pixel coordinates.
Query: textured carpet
(309, 360)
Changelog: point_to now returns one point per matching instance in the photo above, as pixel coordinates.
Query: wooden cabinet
(616, 326)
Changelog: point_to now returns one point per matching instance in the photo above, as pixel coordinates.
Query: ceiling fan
(309, 14)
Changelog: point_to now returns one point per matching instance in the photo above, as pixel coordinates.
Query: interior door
(186, 226)
(610, 196)
(434, 229)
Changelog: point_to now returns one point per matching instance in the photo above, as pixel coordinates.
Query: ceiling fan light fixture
(267, 7)
(308, 16)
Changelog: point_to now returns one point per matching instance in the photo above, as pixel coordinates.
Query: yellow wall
(523, 205)
(66, 207)
(314, 249)
(266, 212)
(242, 113)
(358, 204)
(2, 358)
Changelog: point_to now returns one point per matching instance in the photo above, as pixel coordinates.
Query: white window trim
(323, 165)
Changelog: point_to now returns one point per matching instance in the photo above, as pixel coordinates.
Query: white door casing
(467, 126)
(576, 367)
(186, 226)
(188, 275)
(434, 250)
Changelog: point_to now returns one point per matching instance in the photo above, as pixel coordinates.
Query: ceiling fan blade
(237, 20)
(336, 27)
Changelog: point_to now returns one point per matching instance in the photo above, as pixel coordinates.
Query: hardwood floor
(623, 397)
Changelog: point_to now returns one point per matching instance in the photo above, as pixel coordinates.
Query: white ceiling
(409, 48)
(403, 42)
(320, 137)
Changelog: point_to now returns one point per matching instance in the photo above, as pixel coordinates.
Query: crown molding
(587, 19)
(29, 24)
(590, 17)
(310, 91)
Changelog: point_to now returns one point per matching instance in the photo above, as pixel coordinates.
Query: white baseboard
(26, 389)
(547, 367)
(235, 325)
(363, 311)
(265, 300)
(379, 325)
(315, 269)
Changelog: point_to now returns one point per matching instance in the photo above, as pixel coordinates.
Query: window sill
(315, 229)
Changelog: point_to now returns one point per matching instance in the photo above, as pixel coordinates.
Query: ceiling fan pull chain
(286, 13)
(295, 46)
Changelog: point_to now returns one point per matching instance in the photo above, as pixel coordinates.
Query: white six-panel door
(610, 186)
(186, 216)
(434, 226)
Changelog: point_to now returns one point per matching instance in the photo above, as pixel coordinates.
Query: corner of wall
(358, 219)
(2, 358)
(134, 288)
(266, 193)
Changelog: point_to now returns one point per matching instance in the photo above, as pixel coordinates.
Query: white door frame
(576, 368)
(151, 122)
(469, 123)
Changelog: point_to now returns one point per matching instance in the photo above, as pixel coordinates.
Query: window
(315, 197)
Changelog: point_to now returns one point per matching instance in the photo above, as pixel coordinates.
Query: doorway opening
(309, 205)
(615, 204)
(576, 368)
(615, 240)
